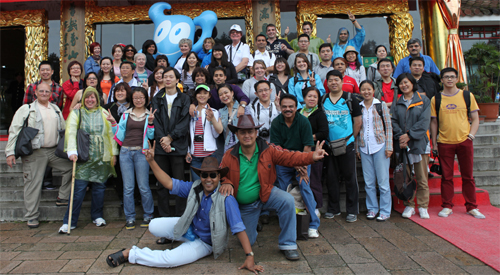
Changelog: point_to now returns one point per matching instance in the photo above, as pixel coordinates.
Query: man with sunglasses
(255, 192)
(203, 228)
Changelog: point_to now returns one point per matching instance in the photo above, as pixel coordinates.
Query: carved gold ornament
(36, 44)
(277, 17)
(399, 20)
(96, 14)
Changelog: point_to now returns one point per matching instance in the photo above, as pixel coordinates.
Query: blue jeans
(376, 166)
(196, 163)
(97, 205)
(134, 163)
(285, 176)
(284, 205)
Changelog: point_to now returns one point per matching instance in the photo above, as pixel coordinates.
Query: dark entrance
(12, 74)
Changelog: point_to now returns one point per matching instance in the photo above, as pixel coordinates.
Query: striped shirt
(199, 149)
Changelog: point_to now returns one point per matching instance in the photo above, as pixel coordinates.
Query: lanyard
(270, 112)
(231, 51)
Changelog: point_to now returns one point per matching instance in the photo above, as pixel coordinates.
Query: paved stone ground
(398, 246)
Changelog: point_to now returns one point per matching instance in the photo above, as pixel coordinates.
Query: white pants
(187, 252)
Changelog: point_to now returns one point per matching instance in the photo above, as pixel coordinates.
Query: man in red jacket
(256, 191)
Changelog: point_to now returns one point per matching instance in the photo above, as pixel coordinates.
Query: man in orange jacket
(256, 191)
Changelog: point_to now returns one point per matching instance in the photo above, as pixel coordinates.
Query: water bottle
(497, 97)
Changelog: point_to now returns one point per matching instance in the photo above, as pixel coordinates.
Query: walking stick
(71, 197)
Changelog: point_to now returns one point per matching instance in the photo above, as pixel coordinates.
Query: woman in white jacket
(204, 129)
(354, 68)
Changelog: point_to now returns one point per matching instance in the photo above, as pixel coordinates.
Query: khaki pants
(421, 175)
(34, 169)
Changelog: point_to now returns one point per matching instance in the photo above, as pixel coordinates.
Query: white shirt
(371, 145)
(261, 115)
(236, 54)
(170, 101)
(264, 56)
(178, 65)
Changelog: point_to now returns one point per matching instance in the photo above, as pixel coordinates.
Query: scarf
(352, 65)
(308, 110)
(121, 108)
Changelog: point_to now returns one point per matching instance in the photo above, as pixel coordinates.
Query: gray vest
(218, 228)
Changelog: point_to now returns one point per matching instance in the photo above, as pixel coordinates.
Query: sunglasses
(205, 175)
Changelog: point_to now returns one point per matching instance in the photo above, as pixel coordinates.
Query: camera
(264, 132)
(436, 168)
(198, 138)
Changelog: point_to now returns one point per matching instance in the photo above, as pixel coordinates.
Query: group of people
(274, 120)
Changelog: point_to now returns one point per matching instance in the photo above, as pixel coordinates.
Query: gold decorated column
(400, 31)
(434, 32)
(72, 35)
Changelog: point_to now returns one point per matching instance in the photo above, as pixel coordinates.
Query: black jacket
(429, 84)
(177, 126)
(319, 125)
(279, 87)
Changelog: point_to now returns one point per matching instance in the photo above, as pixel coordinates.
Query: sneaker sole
(328, 217)
(382, 220)
(477, 217)
(61, 204)
(370, 218)
(444, 215)
(33, 225)
(130, 228)
(352, 220)
(144, 225)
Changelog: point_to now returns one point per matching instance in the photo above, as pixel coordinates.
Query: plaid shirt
(378, 128)
(56, 97)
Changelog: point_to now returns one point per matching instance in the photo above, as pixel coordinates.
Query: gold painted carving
(96, 14)
(400, 31)
(36, 44)
(277, 17)
(400, 21)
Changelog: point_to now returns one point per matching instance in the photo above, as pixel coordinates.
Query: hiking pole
(71, 197)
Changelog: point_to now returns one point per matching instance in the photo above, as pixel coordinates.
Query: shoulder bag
(82, 143)
(23, 142)
(404, 184)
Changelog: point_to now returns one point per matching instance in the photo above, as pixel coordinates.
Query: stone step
(16, 179)
(13, 194)
(486, 164)
(489, 128)
(487, 178)
(487, 151)
(4, 168)
(487, 139)
(494, 191)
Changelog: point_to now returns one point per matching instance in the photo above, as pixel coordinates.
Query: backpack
(437, 103)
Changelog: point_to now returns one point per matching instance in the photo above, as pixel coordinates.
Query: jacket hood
(338, 34)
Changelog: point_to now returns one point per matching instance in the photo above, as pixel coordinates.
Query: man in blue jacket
(414, 46)
(343, 39)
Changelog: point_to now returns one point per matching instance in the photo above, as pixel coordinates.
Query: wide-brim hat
(244, 122)
(210, 164)
(350, 49)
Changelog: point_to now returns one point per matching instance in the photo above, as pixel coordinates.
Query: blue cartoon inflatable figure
(170, 29)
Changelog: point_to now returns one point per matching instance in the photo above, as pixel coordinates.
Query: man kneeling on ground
(205, 206)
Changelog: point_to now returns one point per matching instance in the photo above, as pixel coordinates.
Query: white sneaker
(64, 229)
(423, 213)
(409, 211)
(99, 222)
(317, 213)
(475, 213)
(445, 212)
(313, 233)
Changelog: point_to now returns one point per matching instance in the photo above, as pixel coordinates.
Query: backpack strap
(467, 101)
(437, 105)
(378, 107)
(349, 102)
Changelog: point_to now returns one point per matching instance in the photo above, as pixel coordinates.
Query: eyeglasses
(449, 77)
(138, 98)
(129, 50)
(205, 175)
(75, 68)
(303, 41)
(263, 90)
(44, 91)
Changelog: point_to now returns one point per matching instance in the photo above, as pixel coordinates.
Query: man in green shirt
(307, 28)
(293, 131)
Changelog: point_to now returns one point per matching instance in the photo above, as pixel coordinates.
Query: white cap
(235, 27)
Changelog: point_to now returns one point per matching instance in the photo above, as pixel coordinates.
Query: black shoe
(130, 225)
(264, 219)
(61, 202)
(48, 186)
(145, 223)
(259, 226)
(291, 255)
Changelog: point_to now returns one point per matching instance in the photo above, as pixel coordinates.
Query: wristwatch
(244, 104)
(250, 254)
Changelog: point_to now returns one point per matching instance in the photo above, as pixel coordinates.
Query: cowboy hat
(244, 122)
(350, 49)
(210, 164)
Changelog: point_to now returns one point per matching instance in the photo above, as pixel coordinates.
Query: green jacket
(315, 42)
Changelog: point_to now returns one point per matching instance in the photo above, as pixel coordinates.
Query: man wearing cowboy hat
(255, 192)
(203, 228)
